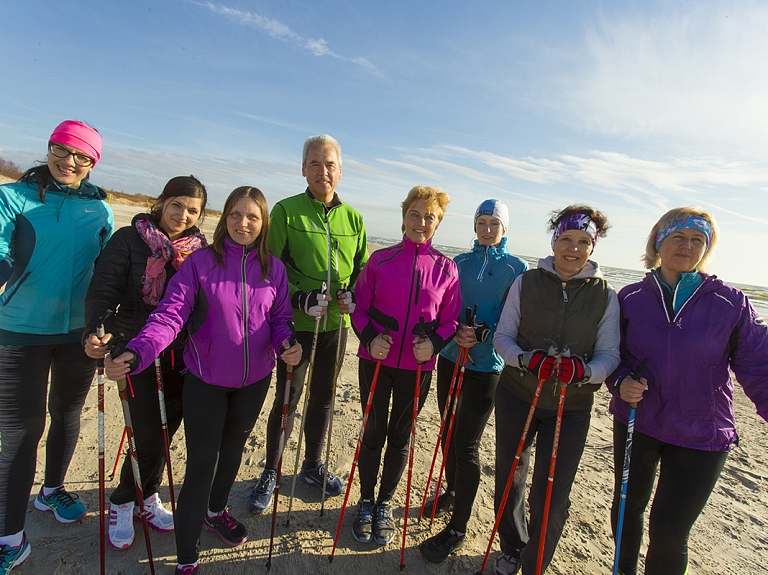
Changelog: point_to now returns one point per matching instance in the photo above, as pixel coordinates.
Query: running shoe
(66, 506)
(445, 503)
(261, 495)
(186, 569)
(11, 556)
(383, 523)
(506, 564)
(120, 534)
(158, 517)
(362, 528)
(231, 531)
(437, 548)
(315, 475)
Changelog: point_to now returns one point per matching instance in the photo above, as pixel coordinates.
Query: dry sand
(730, 536)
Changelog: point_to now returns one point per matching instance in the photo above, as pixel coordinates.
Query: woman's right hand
(379, 347)
(96, 348)
(632, 390)
(119, 367)
(465, 336)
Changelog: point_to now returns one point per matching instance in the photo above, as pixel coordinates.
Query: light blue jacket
(485, 275)
(47, 255)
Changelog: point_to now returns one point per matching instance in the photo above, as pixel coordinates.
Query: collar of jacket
(86, 189)
(494, 252)
(590, 269)
(235, 249)
(335, 202)
(414, 247)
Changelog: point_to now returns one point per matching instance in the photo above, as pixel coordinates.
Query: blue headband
(692, 222)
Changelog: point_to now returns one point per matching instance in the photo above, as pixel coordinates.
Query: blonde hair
(432, 197)
(652, 259)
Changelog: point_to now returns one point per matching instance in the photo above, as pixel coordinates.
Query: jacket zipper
(418, 288)
(482, 267)
(408, 311)
(328, 240)
(245, 318)
(16, 288)
(561, 316)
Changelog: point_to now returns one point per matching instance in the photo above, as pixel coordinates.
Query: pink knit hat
(79, 136)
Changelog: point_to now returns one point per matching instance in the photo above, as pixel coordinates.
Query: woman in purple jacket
(233, 300)
(693, 328)
(398, 287)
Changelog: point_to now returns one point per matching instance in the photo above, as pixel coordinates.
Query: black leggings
(393, 427)
(686, 480)
(462, 466)
(320, 393)
(518, 536)
(217, 422)
(23, 385)
(147, 429)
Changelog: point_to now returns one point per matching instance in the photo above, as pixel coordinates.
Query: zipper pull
(565, 293)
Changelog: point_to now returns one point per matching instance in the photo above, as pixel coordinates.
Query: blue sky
(633, 107)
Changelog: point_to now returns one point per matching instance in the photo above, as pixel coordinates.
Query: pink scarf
(164, 250)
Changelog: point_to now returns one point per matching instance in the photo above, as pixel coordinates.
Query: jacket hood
(590, 269)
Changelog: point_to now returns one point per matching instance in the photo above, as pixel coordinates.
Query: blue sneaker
(11, 557)
(261, 495)
(315, 475)
(66, 506)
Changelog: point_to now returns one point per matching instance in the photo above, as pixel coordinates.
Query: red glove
(541, 365)
(572, 369)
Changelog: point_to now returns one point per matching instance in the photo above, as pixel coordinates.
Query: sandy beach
(730, 537)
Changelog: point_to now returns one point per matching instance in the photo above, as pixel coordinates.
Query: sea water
(618, 277)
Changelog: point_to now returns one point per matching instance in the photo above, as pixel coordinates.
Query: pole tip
(402, 566)
(268, 566)
(330, 559)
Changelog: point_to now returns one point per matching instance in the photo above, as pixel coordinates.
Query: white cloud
(410, 167)
(317, 46)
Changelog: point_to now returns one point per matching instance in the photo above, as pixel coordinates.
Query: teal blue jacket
(485, 275)
(47, 255)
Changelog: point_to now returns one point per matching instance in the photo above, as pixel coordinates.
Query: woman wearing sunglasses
(53, 225)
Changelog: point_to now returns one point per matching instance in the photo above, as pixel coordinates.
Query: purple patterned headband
(576, 221)
(692, 222)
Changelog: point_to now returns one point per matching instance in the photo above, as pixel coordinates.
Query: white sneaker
(121, 525)
(506, 564)
(158, 517)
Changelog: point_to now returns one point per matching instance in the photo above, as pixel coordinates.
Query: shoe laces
(265, 481)
(383, 511)
(123, 514)
(152, 503)
(186, 570)
(226, 519)
(365, 510)
(62, 496)
(7, 553)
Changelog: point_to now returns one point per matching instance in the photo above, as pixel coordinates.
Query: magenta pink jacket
(402, 284)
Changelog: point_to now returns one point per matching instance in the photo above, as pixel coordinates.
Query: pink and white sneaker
(158, 517)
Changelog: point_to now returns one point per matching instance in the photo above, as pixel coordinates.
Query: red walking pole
(117, 457)
(443, 419)
(550, 479)
(508, 486)
(164, 425)
(283, 423)
(100, 332)
(416, 390)
(357, 449)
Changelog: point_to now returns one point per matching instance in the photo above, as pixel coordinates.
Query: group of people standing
(535, 345)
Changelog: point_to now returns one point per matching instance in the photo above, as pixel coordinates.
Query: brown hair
(599, 218)
(188, 186)
(261, 244)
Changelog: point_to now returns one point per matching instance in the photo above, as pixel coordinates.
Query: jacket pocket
(9, 294)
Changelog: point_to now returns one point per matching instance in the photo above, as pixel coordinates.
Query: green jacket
(318, 244)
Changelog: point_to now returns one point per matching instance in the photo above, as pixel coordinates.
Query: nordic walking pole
(391, 324)
(283, 422)
(164, 425)
(304, 413)
(100, 333)
(508, 486)
(625, 473)
(551, 478)
(455, 403)
(443, 419)
(117, 457)
(416, 392)
(121, 388)
(336, 369)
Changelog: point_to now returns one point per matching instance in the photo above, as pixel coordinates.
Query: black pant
(320, 394)
(518, 536)
(686, 480)
(147, 430)
(393, 427)
(217, 422)
(474, 406)
(23, 389)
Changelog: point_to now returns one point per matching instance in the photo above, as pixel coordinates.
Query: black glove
(482, 331)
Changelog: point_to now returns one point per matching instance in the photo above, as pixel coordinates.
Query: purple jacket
(236, 320)
(689, 401)
(405, 282)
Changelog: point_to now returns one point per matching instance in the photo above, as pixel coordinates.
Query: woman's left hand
(423, 350)
(290, 354)
(465, 337)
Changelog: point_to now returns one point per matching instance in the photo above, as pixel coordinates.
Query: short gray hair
(321, 140)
